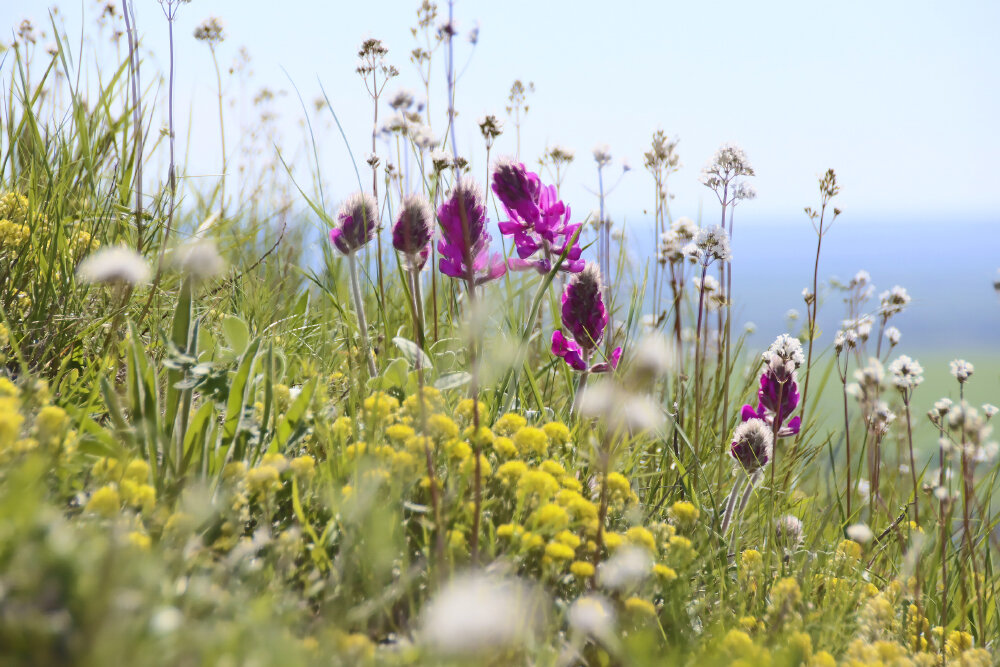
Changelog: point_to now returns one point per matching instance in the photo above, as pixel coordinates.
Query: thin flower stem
(359, 308)
(418, 306)
(731, 504)
(697, 365)
(222, 134)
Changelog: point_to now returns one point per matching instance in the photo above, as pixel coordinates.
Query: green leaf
(237, 333)
(453, 380)
(413, 354)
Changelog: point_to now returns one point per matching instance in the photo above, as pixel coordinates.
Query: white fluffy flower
(114, 265)
(475, 613)
(906, 372)
(893, 301)
(592, 615)
(602, 154)
(627, 568)
(892, 335)
(961, 369)
(199, 259)
(860, 533)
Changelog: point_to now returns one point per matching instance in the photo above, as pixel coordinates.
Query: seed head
(357, 217)
(413, 230)
(752, 445)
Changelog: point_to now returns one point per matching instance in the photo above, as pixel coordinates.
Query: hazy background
(899, 96)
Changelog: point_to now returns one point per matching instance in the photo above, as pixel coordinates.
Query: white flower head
(114, 265)
(989, 410)
(441, 160)
(710, 244)
(893, 335)
(475, 613)
(961, 369)
(627, 568)
(592, 615)
(789, 530)
(653, 358)
(906, 373)
(199, 259)
(728, 163)
(787, 348)
(893, 301)
(860, 533)
(401, 100)
(602, 155)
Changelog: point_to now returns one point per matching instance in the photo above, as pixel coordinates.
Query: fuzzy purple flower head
(465, 241)
(539, 220)
(518, 190)
(357, 217)
(584, 315)
(411, 235)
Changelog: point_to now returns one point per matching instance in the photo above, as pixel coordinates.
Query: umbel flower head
(357, 218)
(465, 241)
(539, 220)
(728, 163)
(584, 315)
(710, 244)
(411, 235)
(752, 445)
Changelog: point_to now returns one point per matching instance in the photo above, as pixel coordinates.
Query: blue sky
(899, 97)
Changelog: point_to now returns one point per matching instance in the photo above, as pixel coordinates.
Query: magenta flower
(465, 241)
(411, 235)
(767, 403)
(585, 317)
(539, 220)
(357, 217)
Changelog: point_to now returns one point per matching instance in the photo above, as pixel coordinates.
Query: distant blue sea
(947, 267)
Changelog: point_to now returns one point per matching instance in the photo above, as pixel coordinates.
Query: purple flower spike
(583, 311)
(518, 190)
(585, 317)
(768, 409)
(411, 235)
(465, 241)
(357, 217)
(539, 220)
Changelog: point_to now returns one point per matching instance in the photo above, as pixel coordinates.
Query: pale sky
(900, 96)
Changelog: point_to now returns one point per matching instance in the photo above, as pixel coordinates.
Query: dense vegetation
(225, 441)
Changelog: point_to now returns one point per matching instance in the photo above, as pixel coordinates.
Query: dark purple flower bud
(465, 241)
(357, 217)
(412, 232)
(583, 311)
(753, 445)
(518, 191)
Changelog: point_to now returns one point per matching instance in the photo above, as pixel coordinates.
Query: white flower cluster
(602, 155)
(710, 244)
(906, 373)
(674, 242)
(961, 369)
(893, 301)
